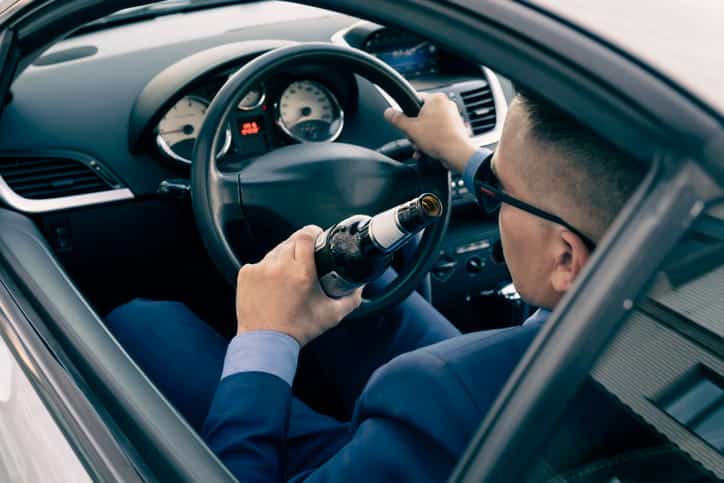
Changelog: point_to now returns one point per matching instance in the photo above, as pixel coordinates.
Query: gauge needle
(187, 129)
(303, 112)
(417, 47)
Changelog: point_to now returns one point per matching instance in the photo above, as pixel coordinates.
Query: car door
(48, 429)
(652, 405)
(32, 446)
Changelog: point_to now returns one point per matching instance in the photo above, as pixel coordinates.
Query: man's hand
(282, 293)
(438, 131)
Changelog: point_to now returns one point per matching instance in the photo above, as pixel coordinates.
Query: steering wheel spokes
(224, 187)
(313, 183)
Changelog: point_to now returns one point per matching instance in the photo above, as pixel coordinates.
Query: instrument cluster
(291, 109)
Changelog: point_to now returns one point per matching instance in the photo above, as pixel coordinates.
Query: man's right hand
(438, 131)
(281, 293)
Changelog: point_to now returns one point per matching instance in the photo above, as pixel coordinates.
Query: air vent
(480, 106)
(40, 178)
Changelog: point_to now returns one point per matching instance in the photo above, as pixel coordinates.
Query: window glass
(32, 447)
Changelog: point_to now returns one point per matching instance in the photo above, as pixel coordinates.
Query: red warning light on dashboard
(249, 128)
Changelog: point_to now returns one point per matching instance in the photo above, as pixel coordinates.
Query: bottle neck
(385, 231)
(412, 217)
(396, 226)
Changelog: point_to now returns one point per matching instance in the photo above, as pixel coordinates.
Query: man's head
(549, 161)
(554, 163)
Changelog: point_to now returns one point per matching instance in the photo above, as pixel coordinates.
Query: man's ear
(571, 254)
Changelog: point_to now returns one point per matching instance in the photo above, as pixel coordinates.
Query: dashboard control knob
(444, 268)
(474, 265)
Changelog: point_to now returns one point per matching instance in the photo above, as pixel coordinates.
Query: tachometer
(178, 129)
(309, 112)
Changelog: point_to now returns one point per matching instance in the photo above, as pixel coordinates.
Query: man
(560, 187)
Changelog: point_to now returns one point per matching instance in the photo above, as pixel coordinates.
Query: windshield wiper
(144, 12)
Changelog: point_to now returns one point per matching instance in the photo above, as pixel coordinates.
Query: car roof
(680, 39)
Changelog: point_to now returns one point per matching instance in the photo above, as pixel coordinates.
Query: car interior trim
(630, 371)
(167, 151)
(25, 205)
(257, 104)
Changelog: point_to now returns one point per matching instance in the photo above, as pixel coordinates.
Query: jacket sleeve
(248, 420)
(412, 422)
(406, 431)
(247, 425)
(418, 413)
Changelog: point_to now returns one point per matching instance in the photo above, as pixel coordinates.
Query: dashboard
(85, 99)
(303, 106)
(307, 104)
(105, 121)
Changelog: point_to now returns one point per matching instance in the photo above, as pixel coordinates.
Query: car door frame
(48, 370)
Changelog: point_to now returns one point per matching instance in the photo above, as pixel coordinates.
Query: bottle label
(335, 286)
(385, 231)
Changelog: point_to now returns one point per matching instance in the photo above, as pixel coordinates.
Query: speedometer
(309, 112)
(178, 129)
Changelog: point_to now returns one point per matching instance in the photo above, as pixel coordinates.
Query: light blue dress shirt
(277, 353)
(266, 351)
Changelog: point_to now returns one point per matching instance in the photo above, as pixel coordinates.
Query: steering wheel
(310, 183)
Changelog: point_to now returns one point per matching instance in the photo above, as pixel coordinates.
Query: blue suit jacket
(412, 422)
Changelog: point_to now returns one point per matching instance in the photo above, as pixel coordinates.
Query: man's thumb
(398, 119)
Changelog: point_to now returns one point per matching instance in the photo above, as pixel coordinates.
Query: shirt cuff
(265, 351)
(471, 168)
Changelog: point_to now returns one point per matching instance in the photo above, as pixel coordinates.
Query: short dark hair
(593, 175)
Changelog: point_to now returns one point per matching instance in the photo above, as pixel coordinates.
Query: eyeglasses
(490, 195)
